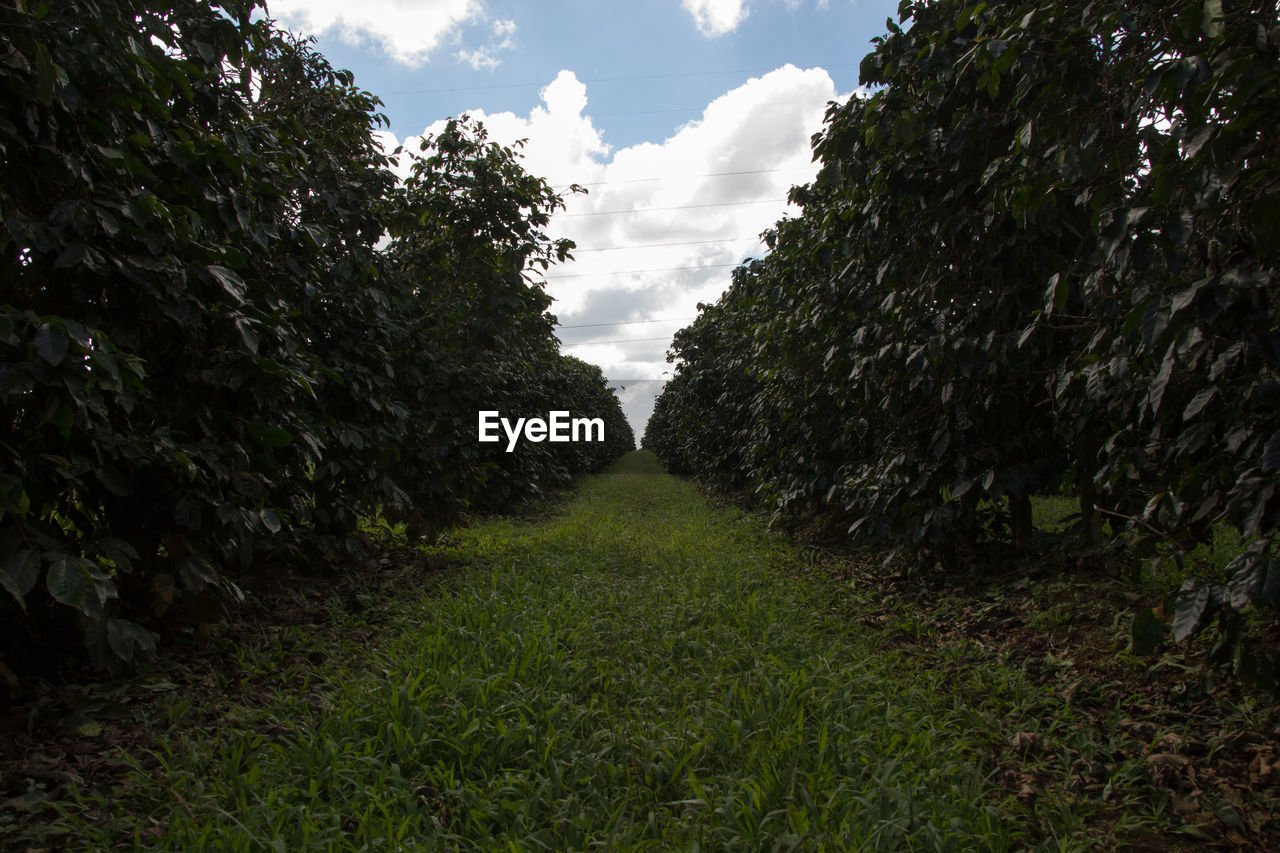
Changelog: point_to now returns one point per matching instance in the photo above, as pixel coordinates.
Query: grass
(1054, 513)
(1207, 561)
(642, 671)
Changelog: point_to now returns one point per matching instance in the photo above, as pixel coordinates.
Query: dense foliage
(228, 331)
(1041, 255)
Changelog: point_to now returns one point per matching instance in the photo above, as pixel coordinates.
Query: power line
(415, 129)
(661, 245)
(618, 79)
(805, 168)
(620, 341)
(630, 272)
(626, 323)
(675, 207)
(805, 102)
(686, 177)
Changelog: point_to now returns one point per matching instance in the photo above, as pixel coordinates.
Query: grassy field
(642, 670)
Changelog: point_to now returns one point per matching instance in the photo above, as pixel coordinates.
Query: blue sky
(688, 120)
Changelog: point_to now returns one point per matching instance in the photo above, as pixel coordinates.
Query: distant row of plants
(1042, 256)
(228, 332)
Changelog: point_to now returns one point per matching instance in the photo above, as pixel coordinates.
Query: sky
(687, 121)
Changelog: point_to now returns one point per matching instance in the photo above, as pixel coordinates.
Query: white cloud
(504, 38)
(717, 17)
(562, 141)
(721, 177)
(409, 30)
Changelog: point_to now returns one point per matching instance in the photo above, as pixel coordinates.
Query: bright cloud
(504, 38)
(409, 30)
(563, 142)
(663, 224)
(716, 17)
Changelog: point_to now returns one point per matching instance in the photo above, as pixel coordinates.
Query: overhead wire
(664, 245)
(638, 271)
(619, 341)
(740, 172)
(625, 323)
(673, 207)
(799, 103)
(417, 129)
(686, 177)
(617, 79)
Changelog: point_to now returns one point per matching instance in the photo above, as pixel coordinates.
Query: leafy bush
(208, 357)
(1041, 253)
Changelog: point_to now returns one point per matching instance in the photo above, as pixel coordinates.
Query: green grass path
(641, 671)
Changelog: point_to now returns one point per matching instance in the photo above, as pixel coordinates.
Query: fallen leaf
(1024, 742)
(89, 729)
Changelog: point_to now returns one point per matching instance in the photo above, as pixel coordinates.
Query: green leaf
(14, 496)
(230, 281)
(1265, 219)
(1197, 141)
(89, 728)
(127, 638)
(20, 573)
(1271, 453)
(1180, 228)
(270, 436)
(209, 53)
(1027, 333)
(46, 74)
(1206, 506)
(1199, 401)
(247, 334)
(63, 418)
(1056, 294)
(51, 344)
(1191, 609)
(1212, 25)
(1256, 583)
(1155, 322)
(235, 257)
(68, 582)
(1155, 394)
(72, 254)
(105, 361)
(78, 583)
(270, 520)
(195, 575)
(119, 552)
(116, 481)
(1186, 296)
(1147, 632)
(7, 581)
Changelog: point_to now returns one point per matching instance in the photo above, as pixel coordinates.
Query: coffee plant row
(229, 333)
(1042, 255)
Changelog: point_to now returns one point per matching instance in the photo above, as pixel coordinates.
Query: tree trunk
(1020, 519)
(1090, 518)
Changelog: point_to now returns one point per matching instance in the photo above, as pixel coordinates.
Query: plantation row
(229, 333)
(1041, 256)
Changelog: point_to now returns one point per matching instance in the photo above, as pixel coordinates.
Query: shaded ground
(88, 735)
(1070, 739)
(1208, 746)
